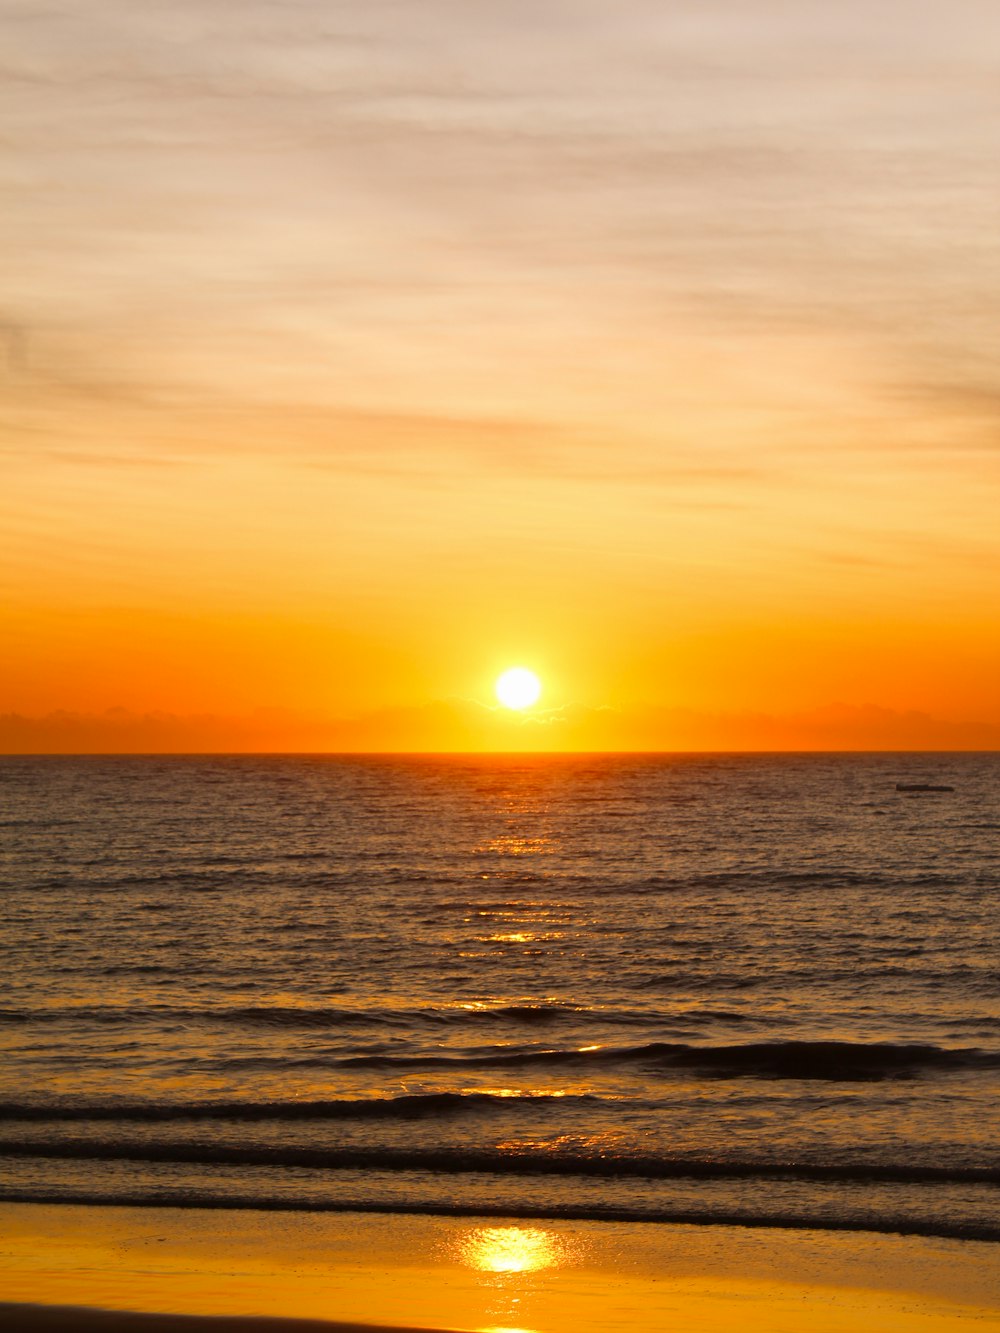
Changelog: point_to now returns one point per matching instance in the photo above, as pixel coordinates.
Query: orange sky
(354, 353)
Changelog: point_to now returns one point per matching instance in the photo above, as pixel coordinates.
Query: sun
(518, 688)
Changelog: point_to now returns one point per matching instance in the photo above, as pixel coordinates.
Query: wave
(298, 871)
(767, 878)
(824, 1060)
(335, 1016)
(704, 979)
(409, 1106)
(249, 1015)
(837, 1060)
(803, 1221)
(829, 1060)
(496, 1161)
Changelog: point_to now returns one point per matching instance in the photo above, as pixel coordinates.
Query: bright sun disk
(518, 688)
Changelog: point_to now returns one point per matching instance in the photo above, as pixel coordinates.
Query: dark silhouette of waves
(494, 1161)
(831, 1060)
(330, 1016)
(408, 1106)
(805, 1220)
(828, 1060)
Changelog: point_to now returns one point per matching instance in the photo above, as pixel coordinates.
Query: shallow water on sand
(485, 1273)
(749, 988)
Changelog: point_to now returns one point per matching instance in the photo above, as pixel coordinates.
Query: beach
(241, 1267)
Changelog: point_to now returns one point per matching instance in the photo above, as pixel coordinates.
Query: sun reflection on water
(510, 1249)
(516, 844)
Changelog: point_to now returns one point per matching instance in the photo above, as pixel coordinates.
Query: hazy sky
(351, 352)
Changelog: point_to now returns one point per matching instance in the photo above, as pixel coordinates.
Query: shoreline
(168, 1270)
(970, 1233)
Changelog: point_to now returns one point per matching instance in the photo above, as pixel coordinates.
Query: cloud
(282, 200)
(14, 344)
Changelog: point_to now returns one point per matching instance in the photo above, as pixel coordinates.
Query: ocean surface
(753, 989)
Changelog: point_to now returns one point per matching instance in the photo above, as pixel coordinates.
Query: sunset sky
(352, 353)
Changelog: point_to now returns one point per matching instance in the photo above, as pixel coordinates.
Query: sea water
(753, 989)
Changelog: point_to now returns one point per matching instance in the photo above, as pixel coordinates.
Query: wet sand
(192, 1271)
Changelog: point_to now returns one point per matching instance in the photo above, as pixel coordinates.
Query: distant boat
(921, 786)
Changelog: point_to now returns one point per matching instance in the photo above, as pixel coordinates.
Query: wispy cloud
(221, 200)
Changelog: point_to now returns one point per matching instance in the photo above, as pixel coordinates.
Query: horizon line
(441, 754)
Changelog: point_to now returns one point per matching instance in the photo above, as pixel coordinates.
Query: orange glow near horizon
(320, 410)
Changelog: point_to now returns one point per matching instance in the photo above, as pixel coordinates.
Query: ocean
(752, 989)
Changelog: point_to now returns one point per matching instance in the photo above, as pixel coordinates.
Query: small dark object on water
(920, 786)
